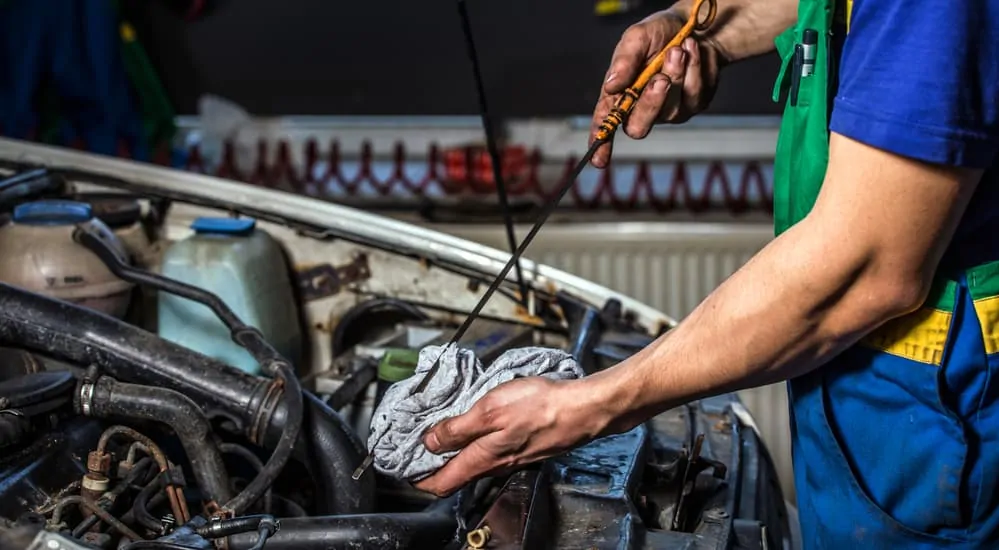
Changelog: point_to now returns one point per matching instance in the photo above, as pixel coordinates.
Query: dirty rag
(403, 416)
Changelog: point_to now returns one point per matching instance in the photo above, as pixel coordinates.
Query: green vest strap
(803, 143)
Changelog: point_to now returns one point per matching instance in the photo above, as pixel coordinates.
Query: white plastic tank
(246, 268)
(38, 253)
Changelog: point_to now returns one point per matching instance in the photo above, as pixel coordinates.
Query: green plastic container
(396, 365)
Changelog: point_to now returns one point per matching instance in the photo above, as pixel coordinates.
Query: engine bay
(179, 372)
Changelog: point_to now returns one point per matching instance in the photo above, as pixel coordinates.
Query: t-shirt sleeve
(921, 79)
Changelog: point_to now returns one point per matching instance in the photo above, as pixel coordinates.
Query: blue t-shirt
(921, 79)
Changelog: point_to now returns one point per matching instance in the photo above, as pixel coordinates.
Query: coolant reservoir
(38, 253)
(246, 268)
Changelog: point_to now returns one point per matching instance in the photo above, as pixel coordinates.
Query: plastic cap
(398, 364)
(52, 212)
(224, 226)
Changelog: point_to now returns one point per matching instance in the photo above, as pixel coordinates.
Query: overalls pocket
(902, 453)
(802, 149)
(897, 419)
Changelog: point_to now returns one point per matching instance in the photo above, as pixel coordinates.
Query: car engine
(140, 409)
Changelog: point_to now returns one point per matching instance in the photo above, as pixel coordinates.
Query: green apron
(895, 441)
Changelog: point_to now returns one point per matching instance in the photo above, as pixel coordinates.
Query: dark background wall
(404, 57)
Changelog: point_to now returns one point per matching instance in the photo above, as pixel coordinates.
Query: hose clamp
(215, 527)
(86, 398)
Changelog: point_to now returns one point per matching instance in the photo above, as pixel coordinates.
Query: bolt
(168, 521)
(98, 463)
(479, 537)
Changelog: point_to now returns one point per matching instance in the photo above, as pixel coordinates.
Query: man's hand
(519, 422)
(683, 89)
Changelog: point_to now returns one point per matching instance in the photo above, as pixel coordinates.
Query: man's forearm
(745, 28)
(866, 253)
(793, 307)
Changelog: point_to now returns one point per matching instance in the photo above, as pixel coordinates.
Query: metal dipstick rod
(618, 114)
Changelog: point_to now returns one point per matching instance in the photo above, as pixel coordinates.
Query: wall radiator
(671, 266)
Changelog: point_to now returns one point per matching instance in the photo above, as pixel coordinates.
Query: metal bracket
(324, 280)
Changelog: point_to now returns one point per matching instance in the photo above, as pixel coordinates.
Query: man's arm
(865, 254)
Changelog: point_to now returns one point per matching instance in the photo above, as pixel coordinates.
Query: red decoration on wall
(468, 171)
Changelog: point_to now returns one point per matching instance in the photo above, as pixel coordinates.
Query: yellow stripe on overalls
(919, 336)
(987, 310)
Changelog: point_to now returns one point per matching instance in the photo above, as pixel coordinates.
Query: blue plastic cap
(224, 226)
(52, 212)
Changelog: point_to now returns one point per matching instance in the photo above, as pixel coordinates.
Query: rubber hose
(140, 506)
(13, 428)
(118, 399)
(433, 528)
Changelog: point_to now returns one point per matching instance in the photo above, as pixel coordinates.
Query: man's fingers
(693, 82)
(471, 463)
(676, 69)
(628, 59)
(643, 116)
(455, 433)
(602, 156)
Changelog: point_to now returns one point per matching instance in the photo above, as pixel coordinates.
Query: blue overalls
(896, 441)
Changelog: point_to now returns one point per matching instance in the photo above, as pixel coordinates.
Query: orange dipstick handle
(630, 96)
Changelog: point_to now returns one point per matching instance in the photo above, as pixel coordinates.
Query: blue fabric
(892, 453)
(921, 79)
(74, 46)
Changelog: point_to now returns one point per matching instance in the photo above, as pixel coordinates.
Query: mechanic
(878, 299)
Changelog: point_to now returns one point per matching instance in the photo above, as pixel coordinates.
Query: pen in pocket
(809, 43)
(797, 60)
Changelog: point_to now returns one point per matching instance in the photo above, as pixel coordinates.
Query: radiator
(670, 266)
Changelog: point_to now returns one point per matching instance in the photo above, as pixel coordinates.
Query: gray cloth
(402, 417)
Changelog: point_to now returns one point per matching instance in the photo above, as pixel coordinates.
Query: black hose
(92, 237)
(151, 503)
(353, 386)
(30, 184)
(255, 462)
(282, 450)
(140, 506)
(270, 361)
(14, 427)
(327, 445)
(218, 528)
(117, 399)
(433, 528)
